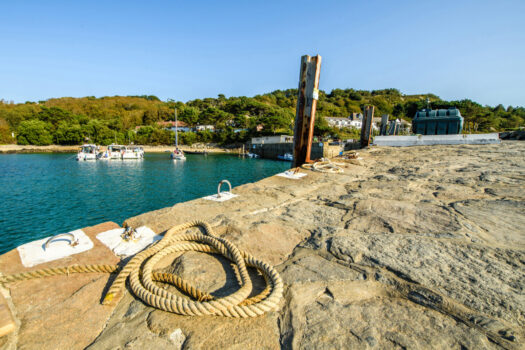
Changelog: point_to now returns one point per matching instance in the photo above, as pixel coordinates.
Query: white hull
(136, 156)
(115, 155)
(178, 157)
(86, 156)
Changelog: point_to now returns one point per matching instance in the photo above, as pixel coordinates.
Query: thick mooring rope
(324, 166)
(139, 270)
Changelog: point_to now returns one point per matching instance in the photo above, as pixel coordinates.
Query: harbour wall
(272, 150)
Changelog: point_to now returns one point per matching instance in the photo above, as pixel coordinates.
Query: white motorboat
(133, 152)
(287, 156)
(177, 154)
(252, 155)
(115, 151)
(87, 152)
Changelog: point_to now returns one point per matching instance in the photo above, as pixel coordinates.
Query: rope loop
(139, 270)
(324, 166)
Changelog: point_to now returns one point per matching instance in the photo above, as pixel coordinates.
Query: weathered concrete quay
(419, 247)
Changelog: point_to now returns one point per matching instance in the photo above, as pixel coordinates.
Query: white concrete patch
(224, 197)
(290, 175)
(34, 253)
(122, 248)
(428, 140)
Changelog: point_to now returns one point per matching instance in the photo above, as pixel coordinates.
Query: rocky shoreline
(419, 247)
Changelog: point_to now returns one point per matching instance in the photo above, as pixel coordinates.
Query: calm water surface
(47, 194)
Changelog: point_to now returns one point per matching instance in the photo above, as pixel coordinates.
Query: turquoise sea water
(47, 194)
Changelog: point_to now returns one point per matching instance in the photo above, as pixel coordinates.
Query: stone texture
(134, 324)
(498, 220)
(418, 248)
(60, 312)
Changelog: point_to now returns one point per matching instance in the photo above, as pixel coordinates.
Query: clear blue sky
(193, 49)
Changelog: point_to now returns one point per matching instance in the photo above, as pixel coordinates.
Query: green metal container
(438, 122)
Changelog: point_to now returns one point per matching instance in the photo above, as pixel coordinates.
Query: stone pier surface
(420, 247)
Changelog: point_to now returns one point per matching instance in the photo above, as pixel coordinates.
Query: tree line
(125, 119)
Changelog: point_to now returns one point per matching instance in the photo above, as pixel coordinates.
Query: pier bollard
(73, 241)
(226, 195)
(219, 187)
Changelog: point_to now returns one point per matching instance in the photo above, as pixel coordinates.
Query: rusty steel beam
(366, 126)
(306, 106)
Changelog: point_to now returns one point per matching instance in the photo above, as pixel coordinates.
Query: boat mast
(176, 130)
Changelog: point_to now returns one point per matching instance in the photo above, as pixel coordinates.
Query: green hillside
(105, 120)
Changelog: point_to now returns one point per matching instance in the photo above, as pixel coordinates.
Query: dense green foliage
(34, 132)
(124, 119)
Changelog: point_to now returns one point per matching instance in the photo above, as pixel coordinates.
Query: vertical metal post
(366, 127)
(306, 106)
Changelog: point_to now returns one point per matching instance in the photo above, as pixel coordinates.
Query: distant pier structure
(272, 146)
(438, 122)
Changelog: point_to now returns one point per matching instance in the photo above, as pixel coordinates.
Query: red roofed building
(170, 124)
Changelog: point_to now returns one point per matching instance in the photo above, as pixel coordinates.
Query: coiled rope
(142, 278)
(324, 166)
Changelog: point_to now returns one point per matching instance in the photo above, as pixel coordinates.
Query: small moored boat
(177, 154)
(115, 151)
(87, 152)
(133, 152)
(287, 156)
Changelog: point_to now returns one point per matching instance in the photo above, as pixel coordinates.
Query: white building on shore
(340, 122)
(205, 127)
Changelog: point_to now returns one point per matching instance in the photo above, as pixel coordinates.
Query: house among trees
(121, 119)
(204, 127)
(170, 125)
(340, 122)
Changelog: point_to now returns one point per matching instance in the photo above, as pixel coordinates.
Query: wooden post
(306, 105)
(384, 123)
(392, 128)
(366, 127)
